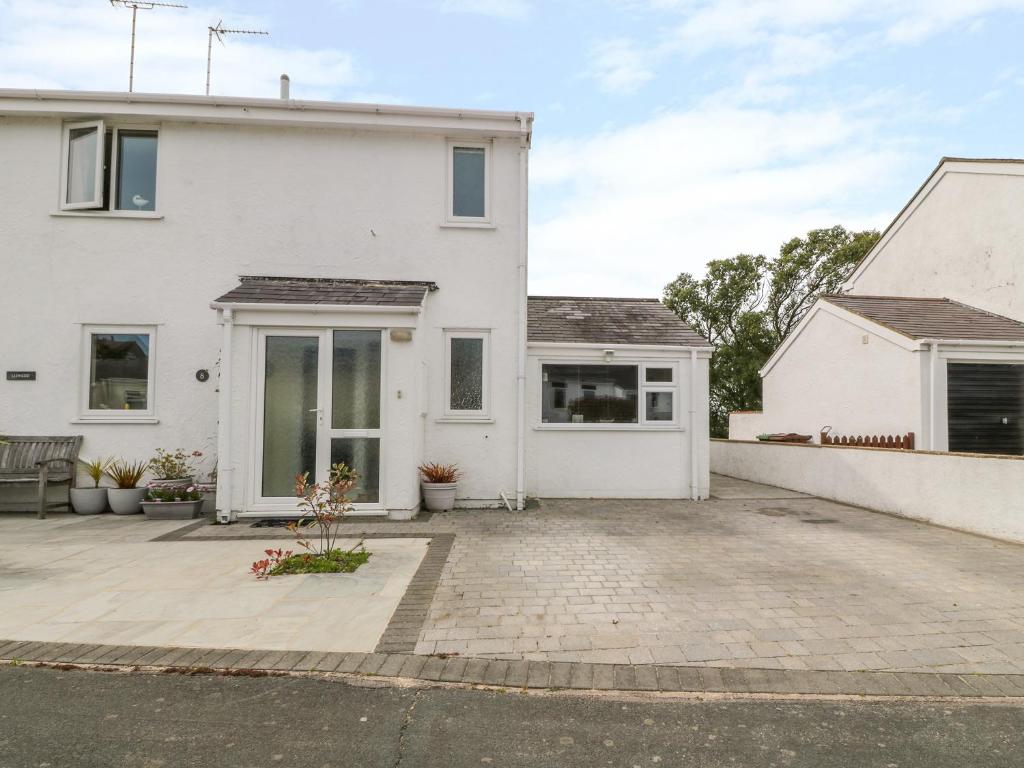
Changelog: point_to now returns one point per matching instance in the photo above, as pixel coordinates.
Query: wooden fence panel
(896, 442)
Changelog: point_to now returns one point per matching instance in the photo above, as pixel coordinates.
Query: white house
(284, 284)
(928, 333)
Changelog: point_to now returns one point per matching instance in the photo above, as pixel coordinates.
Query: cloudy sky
(668, 132)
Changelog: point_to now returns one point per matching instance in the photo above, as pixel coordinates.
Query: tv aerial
(136, 6)
(218, 31)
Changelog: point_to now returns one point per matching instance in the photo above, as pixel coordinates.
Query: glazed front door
(319, 404)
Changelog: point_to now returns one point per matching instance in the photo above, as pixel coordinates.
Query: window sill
(464, 420)
(109, 214)
(607, 428)
(116, 420)
(467, 225)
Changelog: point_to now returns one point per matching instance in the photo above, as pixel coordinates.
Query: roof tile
(930, 318)
(255, 289)
(579, 320)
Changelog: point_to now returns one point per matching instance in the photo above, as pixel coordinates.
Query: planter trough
(172, 510)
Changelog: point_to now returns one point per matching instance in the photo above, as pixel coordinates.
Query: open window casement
(82, 172)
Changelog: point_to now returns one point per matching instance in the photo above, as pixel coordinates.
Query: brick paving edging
(525, 674)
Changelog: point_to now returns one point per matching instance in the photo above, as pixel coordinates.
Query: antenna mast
(135, 5)
(219, 31)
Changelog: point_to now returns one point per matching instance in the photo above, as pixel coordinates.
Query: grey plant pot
(439, 497)
(172, 510)
(89, 501)
(172, 482)
(126, 501)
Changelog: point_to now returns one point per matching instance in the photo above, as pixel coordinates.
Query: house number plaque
(21, 375)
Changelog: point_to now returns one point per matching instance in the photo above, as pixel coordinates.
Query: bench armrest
(54, 461)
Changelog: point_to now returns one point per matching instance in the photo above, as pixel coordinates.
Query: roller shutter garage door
(986, 408)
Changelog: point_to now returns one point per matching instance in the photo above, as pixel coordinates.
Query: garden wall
(980, 494)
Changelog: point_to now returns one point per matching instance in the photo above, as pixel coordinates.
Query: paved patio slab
(102, 580)
(759, 581)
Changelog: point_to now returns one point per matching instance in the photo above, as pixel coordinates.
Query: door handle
(319, 414)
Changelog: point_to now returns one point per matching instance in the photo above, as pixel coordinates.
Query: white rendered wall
(252, 200)
(605, 461)
(829, 376)
(973, 493)
(963, 242)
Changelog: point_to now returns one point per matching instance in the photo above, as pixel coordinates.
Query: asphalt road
(52, 719)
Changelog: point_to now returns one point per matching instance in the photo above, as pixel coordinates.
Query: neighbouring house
(285, 284)
(927, 335)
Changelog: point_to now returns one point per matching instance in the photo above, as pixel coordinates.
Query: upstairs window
(468, 183)
(108, 169)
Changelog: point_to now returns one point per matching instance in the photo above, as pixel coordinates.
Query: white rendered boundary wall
(970, 492)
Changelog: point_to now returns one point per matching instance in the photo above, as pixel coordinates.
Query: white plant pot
(439, 497)
(126, 501)
(89, 501)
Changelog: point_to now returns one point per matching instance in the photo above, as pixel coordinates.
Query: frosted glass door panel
(289, 412)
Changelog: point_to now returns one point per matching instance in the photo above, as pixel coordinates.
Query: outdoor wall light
(608, 355)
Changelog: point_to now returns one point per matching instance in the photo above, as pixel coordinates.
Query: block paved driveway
(755, 577)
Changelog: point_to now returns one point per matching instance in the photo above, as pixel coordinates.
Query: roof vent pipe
(285, 84)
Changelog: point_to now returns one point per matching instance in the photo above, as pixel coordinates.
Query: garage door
(986, 408)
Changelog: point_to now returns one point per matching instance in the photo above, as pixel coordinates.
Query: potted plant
(91, 501)
(173, 469)
(172, 502)
(439, 484)
(126, 498)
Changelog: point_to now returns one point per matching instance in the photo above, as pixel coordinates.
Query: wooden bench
(41, 460)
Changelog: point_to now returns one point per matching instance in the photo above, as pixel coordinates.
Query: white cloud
(666, 195)
(502, 9)
(619, 66)
(65, 44)
(788, 38)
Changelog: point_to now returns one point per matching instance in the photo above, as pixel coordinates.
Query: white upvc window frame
(85, 381)
(65, 170)
(642, 422)
(468, 221)
(99, 206)
(671, 387)
(484, 414)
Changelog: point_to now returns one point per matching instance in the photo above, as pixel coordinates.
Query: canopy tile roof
(578, 320)
(254, 289)
(929, 318)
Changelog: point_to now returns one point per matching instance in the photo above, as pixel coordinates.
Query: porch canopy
(254, 289)
(317, 371)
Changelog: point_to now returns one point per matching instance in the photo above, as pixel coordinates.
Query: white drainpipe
(521, 320)
(932, 383)
(224, 467)
(694, 494)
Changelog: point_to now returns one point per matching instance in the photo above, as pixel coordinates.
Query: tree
(748, 304)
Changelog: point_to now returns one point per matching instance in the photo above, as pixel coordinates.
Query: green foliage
(748, 304)
(127, 474)
(96, 469)
(335, 561)
(173, 466)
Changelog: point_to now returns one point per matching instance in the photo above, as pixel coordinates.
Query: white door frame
(282, 506)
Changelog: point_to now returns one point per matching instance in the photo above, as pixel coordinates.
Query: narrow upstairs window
(469, 184)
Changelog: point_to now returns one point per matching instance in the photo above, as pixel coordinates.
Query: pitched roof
(577, 320)
(927, 318)
(255, 289)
